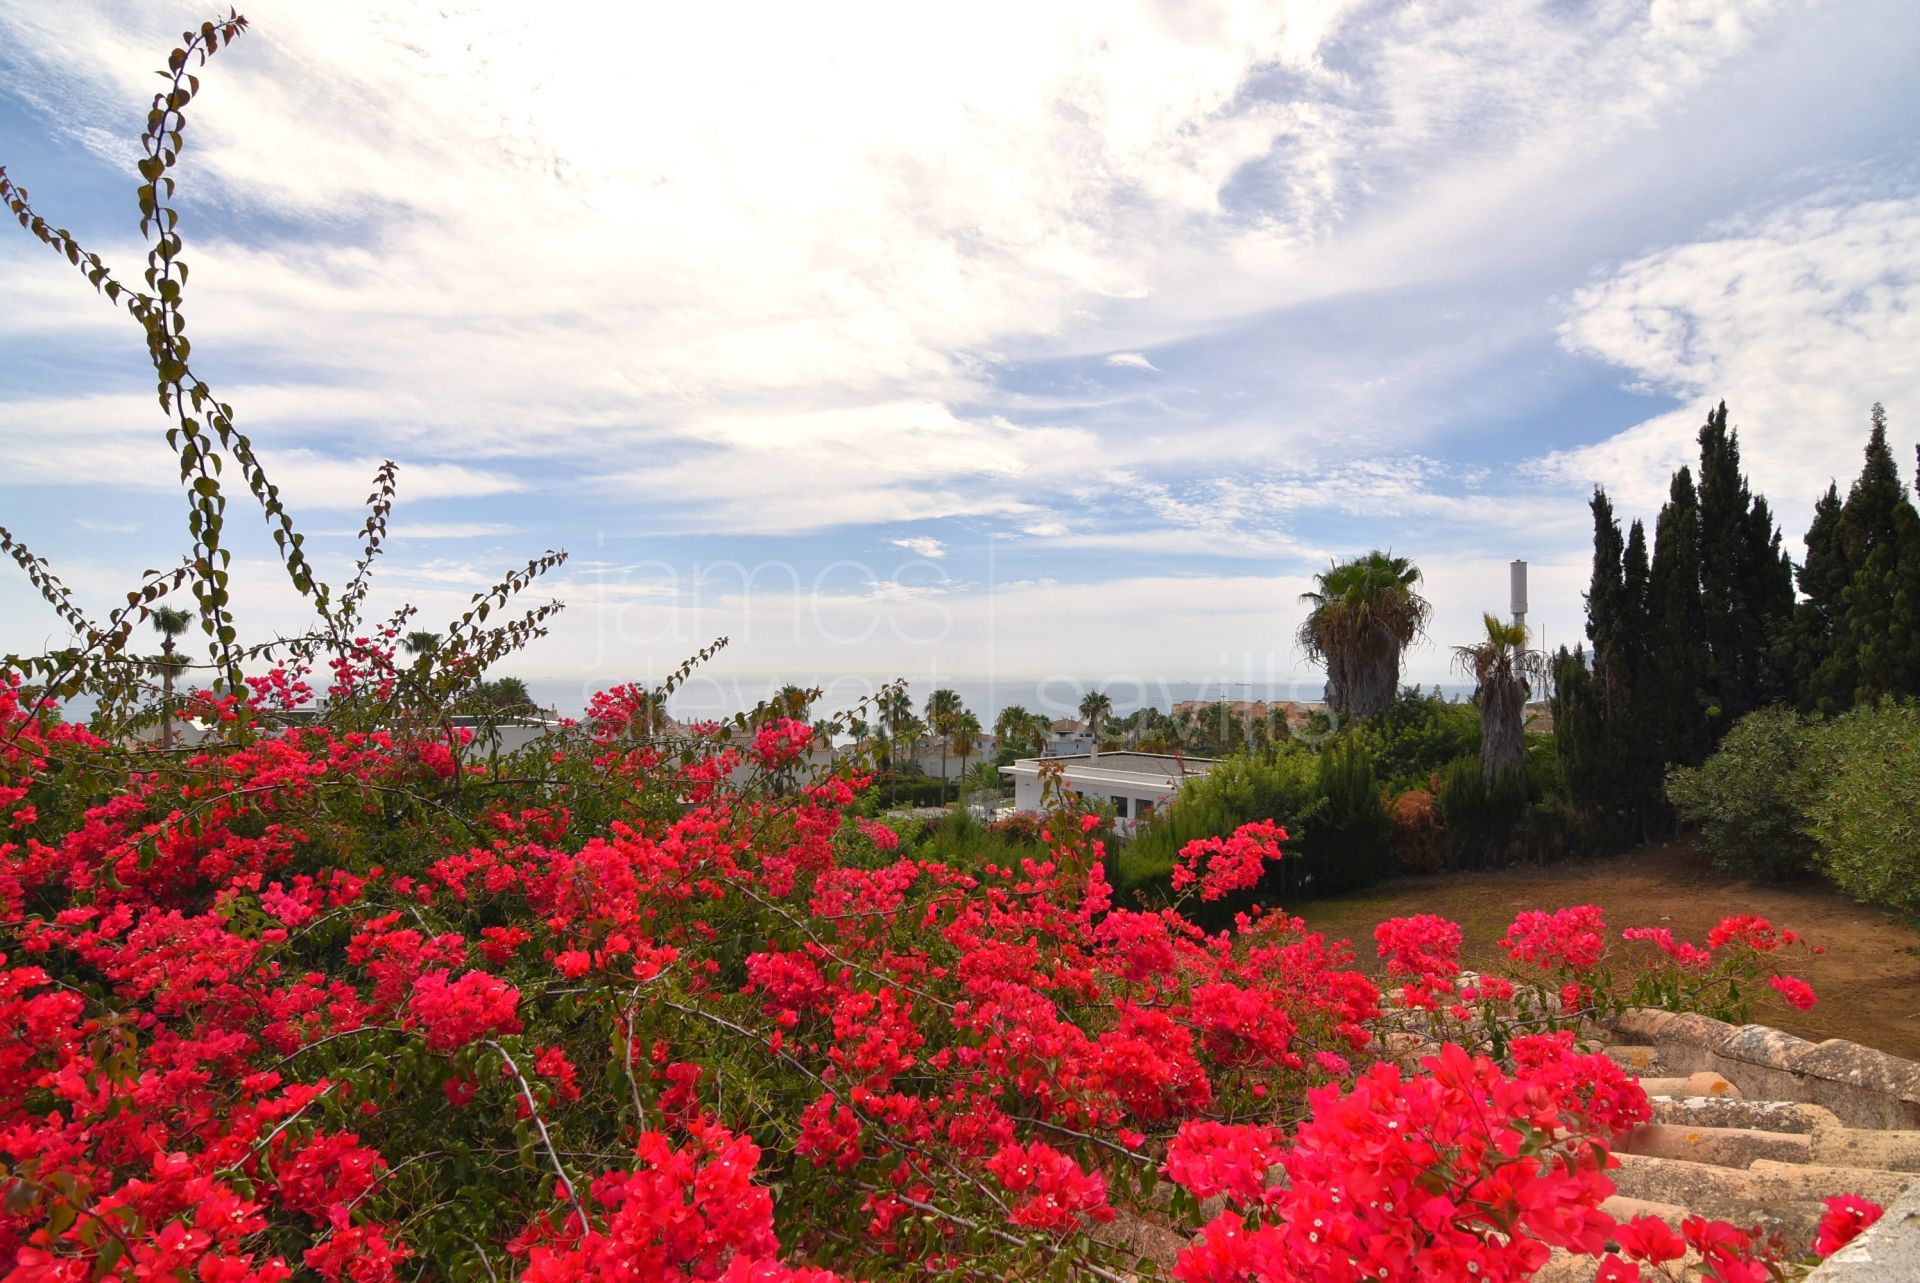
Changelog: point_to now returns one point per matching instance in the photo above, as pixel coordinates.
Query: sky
(1019, 347)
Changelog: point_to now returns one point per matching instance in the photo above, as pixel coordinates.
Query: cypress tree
(1723, 502)
(1769, 601)
(1823, 676)
(1902, 674)
(1635, 575)
(1605, 589)
(1677, 661)
(1601, 707)
(1588, 701)
(1746, 585)
(1873, 521)
(1642, 773)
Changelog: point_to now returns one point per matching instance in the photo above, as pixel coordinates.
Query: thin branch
(533, 1107)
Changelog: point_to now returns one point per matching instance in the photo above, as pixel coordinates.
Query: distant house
(1067, 737)
(1134, 784)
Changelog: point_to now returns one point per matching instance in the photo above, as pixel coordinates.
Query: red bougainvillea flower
(1797, 992)
(1650, 1239)
(1573, 937)
(1207, 1158)
(1751, 930)
(1232, 863)
(1684, 952)
(1058, 1191)
(1846, 1216)
(254, 986)
(457, 1012)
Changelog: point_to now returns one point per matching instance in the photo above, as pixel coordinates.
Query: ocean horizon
(703, 697)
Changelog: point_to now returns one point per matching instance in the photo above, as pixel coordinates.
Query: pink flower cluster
(1461, 1172)
(1232, 863)
(307, 999)
(1573, 937)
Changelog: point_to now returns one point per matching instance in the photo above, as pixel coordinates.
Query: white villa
(1067, 737)
(1135, 784)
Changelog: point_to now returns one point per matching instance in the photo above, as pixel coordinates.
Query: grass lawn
(1868, 980)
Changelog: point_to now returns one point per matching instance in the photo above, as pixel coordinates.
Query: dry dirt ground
(1868, 981)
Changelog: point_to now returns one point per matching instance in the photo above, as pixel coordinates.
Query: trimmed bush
(1865, 812)
(1750, 798)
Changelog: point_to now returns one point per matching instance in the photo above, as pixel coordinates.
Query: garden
(338, 991)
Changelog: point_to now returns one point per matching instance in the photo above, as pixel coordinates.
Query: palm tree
(943, 710)
(1096, 706)
(1364, 614)
(1503, 670)
(986, 777)
(896, 711)
(1015, 727)
(169, 622)
(650, 718)
(419, 642)
(965, 737)
(1039, 731)
(502, 696)
(792, 701)
(1145, 724)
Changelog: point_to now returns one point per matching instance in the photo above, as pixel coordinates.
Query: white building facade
(1135, 785)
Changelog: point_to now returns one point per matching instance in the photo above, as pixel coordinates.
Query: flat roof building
(1134, 784)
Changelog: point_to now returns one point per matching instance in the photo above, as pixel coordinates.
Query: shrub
(1480, 814)
(959, 839)
(1414, 832)
(1750, 798)
(600, 1053)
(1344, 849)
(1283, 787)
(1865, 811)
(1417, 735)
(911, 791)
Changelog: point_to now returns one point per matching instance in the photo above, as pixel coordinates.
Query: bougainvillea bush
(334, 997)
(347, 1005)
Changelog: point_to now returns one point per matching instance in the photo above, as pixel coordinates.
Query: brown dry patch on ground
(1868, 980)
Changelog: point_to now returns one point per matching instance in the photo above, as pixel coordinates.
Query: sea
(703, 696)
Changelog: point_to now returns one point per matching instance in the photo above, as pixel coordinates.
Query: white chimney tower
(1517, 578)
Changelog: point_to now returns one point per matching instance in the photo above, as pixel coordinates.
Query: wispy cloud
(783, 253)
(754, 305)
(1800, 315)
(922, 546)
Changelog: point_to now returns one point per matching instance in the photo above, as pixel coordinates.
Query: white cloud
(1800, 316)
(792, 279)
(767, 471)
(307, 478)
(922, 545)
(710, 239)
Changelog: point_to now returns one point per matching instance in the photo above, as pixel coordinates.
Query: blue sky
(987, 344)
